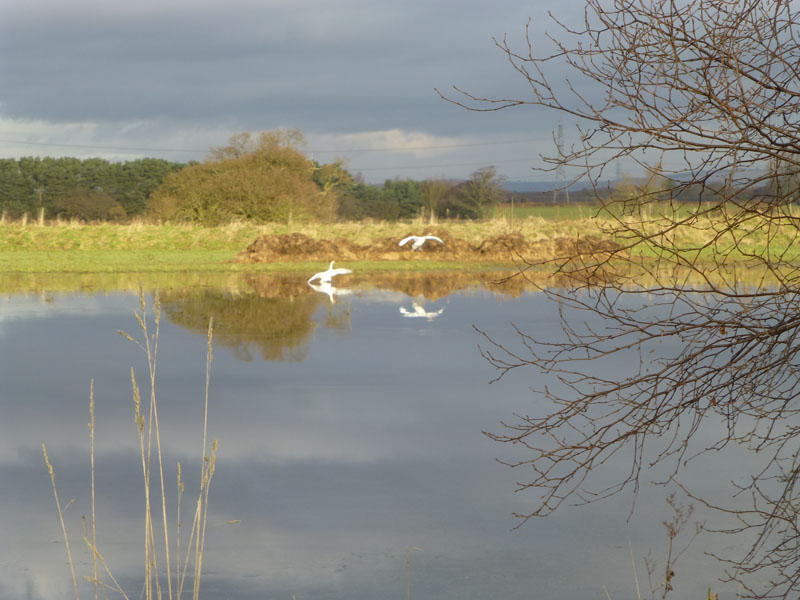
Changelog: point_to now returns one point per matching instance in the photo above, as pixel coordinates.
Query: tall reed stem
(148, 430)
(61, 518)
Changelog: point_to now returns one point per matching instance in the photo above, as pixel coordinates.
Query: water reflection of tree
(337, 317)
(276, 328)
(436, 285)
(276, 318)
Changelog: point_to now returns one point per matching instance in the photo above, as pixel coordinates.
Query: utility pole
(561, 172)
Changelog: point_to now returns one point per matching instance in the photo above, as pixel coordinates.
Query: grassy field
(584, 211)
(142, 247)
(59, 247)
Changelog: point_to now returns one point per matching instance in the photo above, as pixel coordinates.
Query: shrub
(89, 205)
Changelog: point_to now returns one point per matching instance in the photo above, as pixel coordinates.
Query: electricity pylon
(561, 172)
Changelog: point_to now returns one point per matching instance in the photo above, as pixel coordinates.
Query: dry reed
(61, 518)
(149, 433)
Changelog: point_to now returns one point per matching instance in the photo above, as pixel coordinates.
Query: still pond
(351, 461)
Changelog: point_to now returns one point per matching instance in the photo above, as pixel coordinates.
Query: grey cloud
(285, 64)
(195, 73)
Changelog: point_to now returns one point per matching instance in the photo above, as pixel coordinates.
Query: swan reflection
(420, 312)
(327, 288)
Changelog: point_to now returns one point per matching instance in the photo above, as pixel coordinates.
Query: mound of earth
(296, 246)
(510, 247)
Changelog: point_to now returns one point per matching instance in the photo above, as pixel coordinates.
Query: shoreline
(150, 247)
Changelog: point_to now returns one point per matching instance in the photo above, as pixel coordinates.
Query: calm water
(349, 431)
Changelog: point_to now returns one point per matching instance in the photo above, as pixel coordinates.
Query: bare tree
(242, 143)
(477, 197)
(433, 193)
(705, 286)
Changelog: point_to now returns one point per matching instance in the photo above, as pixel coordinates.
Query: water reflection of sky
(333, 465)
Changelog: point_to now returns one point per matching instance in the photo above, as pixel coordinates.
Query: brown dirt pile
(511, 247)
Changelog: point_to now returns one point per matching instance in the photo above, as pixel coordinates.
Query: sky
(172, 79)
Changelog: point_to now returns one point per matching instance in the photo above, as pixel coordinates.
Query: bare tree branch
(704, 97)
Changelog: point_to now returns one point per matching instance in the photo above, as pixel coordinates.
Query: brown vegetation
(430, 286)
(508, 247)
(89, 205)
(260, 181)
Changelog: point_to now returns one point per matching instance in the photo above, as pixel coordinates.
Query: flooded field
(351, 460)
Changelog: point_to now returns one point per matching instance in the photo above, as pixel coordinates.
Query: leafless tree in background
(434, 191)
(705, 97)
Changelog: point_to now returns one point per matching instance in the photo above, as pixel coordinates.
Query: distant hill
(537, 186)
(528, 186)
(541, 192)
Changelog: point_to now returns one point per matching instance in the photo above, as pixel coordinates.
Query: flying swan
(419, 240)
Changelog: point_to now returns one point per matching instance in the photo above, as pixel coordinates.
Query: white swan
(419, 240)
(325, 276)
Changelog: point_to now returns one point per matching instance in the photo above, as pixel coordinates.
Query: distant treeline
(262, 178)
(96, 189)
(90, 189)
(266, 178)
(429, 199)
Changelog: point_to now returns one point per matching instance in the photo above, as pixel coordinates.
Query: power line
(437, 147)
(340, 150)
(470, 164)
(99, 147)
(393, 168)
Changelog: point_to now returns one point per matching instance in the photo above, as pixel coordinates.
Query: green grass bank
(142, 247)
(60, 247)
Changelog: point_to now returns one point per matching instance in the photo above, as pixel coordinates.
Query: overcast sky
(171, 79)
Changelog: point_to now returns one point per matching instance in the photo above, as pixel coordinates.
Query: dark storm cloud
(312, 65)
(172, 79)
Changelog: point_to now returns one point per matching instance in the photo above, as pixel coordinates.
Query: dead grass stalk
(149, 433)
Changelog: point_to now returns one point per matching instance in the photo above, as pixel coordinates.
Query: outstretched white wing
(405, 240)
(433, 237)
(325, 276)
